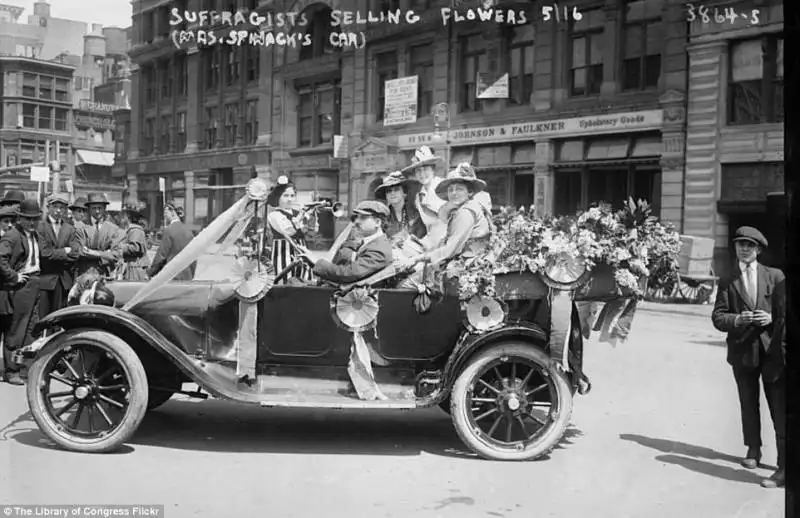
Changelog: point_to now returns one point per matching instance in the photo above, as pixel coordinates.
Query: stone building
(595, 109)
(41, 35)
(735, 133)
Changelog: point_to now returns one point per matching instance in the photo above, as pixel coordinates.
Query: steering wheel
(294, 264)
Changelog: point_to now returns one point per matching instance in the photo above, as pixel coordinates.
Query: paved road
(658, 437)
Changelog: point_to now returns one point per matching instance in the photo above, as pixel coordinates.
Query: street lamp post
(441, 118)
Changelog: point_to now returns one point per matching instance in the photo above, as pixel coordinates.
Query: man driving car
(373, 254)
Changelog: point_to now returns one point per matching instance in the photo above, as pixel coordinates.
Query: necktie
(750, 285)
(96, 237)
(32, 252)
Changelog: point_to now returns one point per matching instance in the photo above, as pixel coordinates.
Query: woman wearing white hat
(428, 201)
(469, 222)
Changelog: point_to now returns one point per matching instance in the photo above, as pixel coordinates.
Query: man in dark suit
(749, 308)
(373, 254)
(8, 217)
(101, 240)
(175, 237)
(59, 248)
(19, 263)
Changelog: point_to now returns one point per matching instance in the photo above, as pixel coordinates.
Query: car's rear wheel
(87, 391)
(511, 403)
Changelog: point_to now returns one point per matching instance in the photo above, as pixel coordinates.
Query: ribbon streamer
(360, 370)
(247, 340)
(560, 326)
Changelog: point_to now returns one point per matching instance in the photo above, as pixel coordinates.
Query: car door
(295, 326)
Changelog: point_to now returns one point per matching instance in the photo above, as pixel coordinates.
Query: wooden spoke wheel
(697, 290)
(87, 391)
(511, 403)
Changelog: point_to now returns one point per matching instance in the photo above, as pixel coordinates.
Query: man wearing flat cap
(78, 220)
(59, 249)
(750, 307)
(102, 249)
(373, 254)
(19, 270)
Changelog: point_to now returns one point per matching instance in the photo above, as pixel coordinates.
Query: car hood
(188, 299)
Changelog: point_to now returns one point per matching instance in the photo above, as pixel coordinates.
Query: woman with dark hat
(403, 218)
(12, 199)
(134, 246)
(469, 222)
(287, 228)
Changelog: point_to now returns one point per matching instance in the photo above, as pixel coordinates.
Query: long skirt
(283, 254)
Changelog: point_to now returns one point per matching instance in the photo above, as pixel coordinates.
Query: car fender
(124, 324)
(469, 343)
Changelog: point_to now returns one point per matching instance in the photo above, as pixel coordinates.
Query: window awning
(85, 156)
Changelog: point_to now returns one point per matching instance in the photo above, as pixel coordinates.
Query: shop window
(519, 42)
(29, 82)
(472, 60)
(608, 186)
(45, 117)
(62, 90)
(231, 123)
(647, 146)
(523, 190)
(756, 81)
(61, 119)
(647, 187)
(319, 29)
(211, 125)
(421, 65)
(586, 56)
(251, 122)
(318, 113)
(180, 132)
(253, 65)
(497, 185)
(644, 40)
(385, 70)
(567, 191)
(604, 149)
(211, 68)
(46, 88)
(28, 115)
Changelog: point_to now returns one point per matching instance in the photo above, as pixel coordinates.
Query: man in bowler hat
(60, 249)
(19, 270)
(8, 217)
(750, 308)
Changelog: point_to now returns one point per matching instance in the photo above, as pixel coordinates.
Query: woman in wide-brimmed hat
(469, 222)
(403, 218)
(134, 262)
(287, 229)
(426, 202)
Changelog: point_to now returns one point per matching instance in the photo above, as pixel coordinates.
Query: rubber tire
(459, 410)
(138, 394)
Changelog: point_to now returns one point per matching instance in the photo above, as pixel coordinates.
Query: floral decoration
(631, 240)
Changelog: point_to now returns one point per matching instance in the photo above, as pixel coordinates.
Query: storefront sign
(93, 121)
(401, 101)
(197, 162)
(559, 128)
(91, 106)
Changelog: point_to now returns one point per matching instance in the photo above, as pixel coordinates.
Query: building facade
(36, 102)
(596, 108)
(735, 133)
(41, 35)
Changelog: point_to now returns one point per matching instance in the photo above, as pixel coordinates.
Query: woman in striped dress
(287, 229)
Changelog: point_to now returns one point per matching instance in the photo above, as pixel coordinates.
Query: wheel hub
(513, 403)
(82, 392)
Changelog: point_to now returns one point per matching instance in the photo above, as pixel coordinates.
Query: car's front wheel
(87, 391)
(511, 403)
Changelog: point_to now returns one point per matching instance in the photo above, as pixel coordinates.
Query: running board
(335, 401)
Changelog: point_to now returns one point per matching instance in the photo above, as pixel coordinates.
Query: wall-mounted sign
(94, 121)
(372, 163)
(92, 106)
(401, 101)
(579, 126)
(488, 89)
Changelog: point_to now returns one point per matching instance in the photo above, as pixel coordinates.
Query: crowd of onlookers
(44, 252)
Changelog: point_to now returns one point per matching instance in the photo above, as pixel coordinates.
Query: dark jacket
(751, 346)
(174, 239)
(13, 254)
(369, 259)
(56, 263)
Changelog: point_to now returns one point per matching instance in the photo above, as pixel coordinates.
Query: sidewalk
(690, 310)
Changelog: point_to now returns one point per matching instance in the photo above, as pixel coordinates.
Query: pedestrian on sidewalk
(59, 249)
(8, 217)
(750, 308)
(103, 239)
(19, 263)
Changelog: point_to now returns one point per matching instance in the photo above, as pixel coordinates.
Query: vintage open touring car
(508, 382)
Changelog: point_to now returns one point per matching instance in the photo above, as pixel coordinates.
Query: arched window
(319, 28)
